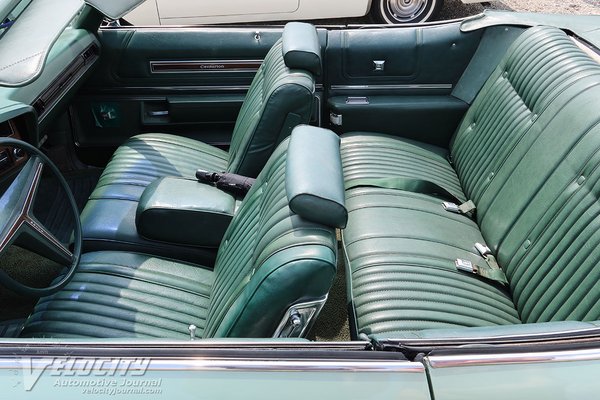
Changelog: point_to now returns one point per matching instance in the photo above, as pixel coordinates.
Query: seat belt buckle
(465, 266)
(464, 208)
(451, 207)
(483, 250)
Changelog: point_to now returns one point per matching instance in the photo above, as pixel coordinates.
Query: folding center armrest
(184, 211)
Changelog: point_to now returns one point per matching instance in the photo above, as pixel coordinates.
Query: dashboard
(11, 158)
(28, 110)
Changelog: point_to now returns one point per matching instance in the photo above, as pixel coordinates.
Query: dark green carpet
(30, 269)
(332, 323)
(52, 209)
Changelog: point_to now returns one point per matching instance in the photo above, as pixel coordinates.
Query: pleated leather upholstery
(401, 249)
(144, 158)
(533, 76)
(117, 295)
(269, 260)
(527, 153)
(108, 219)
(539, 209)
(547, 235)
(278, 100)
(374, 156)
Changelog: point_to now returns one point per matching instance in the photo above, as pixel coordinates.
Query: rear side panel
(399, 80)
(546, 375)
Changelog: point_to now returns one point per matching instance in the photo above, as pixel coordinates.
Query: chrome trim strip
(204, 364)
(507, 338)
(35, 346)
(453, 361)
(204, 66)
(165, 89)
(392, 87)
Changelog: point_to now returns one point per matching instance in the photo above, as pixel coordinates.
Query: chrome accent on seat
(451, 207)
(299, 318)
(465, 265)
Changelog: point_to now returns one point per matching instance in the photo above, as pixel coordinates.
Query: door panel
(128, 54)
(185, 81)
(399, 80)
(190, 82)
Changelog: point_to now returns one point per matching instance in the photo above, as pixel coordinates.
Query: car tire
(405, 11)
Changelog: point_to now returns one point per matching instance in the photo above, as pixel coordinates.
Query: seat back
(281, 97)
(528, 153)
(280, 249)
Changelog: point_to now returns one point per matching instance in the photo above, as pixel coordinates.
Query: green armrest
(184, 211)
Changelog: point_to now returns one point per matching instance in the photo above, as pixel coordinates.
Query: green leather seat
(280, 98)
(368, 156)
(527, 154)
(277, 253)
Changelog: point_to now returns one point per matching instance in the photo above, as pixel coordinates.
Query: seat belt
(418, 186)
(491, 270)
(407, 184)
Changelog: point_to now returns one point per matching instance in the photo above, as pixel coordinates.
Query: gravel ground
(453, 9)
(456, 9)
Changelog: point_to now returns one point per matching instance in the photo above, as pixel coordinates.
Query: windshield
(10, 10)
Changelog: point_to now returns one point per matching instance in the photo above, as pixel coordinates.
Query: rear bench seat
(528, 155)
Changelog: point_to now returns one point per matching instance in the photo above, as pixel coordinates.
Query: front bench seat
(279, 251)
(280, 98)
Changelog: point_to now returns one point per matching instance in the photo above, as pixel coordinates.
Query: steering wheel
(17, 219)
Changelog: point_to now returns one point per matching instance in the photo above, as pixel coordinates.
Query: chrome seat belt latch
(451, 207)
(483, 250)
(464, 208)
(465, 266)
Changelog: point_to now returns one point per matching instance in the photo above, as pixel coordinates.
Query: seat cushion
(115, 295)
(144, 158)
(401, 249)
(108, 219)
(367, 155)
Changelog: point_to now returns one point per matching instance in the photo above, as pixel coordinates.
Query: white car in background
(190, 12)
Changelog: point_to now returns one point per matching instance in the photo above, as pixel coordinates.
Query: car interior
(423, 185)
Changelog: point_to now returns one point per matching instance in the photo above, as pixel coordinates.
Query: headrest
(301, 47)
(314, 179)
